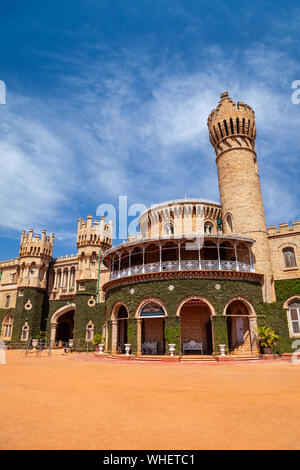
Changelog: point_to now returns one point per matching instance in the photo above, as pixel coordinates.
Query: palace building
(198, 274)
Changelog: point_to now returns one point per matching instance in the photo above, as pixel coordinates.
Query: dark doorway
(65, 327)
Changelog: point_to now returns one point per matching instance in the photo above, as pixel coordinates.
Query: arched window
(294, 314)
(289, 257)
(89, 335)
(169, 229)
(25, 332)
(229, 221)
(58, 279)
(151, 309)
(72, 279)
(7, 326)
(7, 301)
(208, 227)
(66, 277)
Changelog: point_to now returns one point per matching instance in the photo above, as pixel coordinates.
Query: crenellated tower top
(94, 233)
(231, 124)
(36, 245)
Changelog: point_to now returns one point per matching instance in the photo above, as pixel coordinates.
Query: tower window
(169, 229)
(208, 227)
(229, 221)
(289, 257)
(7, 301)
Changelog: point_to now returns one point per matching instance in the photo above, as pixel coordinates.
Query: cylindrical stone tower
(232, 133)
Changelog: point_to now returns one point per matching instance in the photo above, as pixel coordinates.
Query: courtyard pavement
(79, 402)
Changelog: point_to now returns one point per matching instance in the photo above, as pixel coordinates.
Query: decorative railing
(184, 265)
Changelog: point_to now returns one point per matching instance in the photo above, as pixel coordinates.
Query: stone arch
(243, 300)
(61, 311)
(151, 329)
(147, 300)
(119, 328)
(195, 314)
(292, 299)
(115, 309)
(195, 297)
(292, 308)
(55, 319)
(241, 327)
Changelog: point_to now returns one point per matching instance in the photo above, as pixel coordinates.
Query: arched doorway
(65, 327)
(62, 325)
(122, 316)
(152, 316)
(239, 328)
(196, 325)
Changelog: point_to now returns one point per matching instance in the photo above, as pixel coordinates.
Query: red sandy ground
(80, 402)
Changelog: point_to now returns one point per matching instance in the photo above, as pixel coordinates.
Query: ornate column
(139, 336)
(179, 256)
(114, 336)
(253, 334)
(53, 327)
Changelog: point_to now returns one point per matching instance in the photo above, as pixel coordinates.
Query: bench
(192, 346)
(150, 347)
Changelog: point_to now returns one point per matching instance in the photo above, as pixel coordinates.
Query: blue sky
(109, 98)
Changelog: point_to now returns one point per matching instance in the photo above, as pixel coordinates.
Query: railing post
(219, 261)
(179, 256)
(199, 256)
(143, 268)
(160, 248)
(250, 259)
(236, 258)
(129, 263)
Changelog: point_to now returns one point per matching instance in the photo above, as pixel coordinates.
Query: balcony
(215, 253)
(186, 265)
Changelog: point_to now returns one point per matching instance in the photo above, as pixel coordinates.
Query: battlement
(59, 260)
(95, 233)
(231, 119)
(36, 245)
(284, 228)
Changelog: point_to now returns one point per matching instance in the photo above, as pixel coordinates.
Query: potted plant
(267, 338)
(98, 341)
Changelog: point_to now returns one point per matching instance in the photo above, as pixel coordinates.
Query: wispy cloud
(126, 127)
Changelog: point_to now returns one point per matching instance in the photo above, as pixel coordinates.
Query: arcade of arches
(195, 320)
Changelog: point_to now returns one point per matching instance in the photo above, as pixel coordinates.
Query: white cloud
(115, 134)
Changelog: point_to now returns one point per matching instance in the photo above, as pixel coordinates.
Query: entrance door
(239, 330)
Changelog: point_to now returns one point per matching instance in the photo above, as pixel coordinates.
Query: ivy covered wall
(32, 316)
(39, 317)
(267, 314)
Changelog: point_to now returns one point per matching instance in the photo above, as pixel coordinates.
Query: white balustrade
(184, 265)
